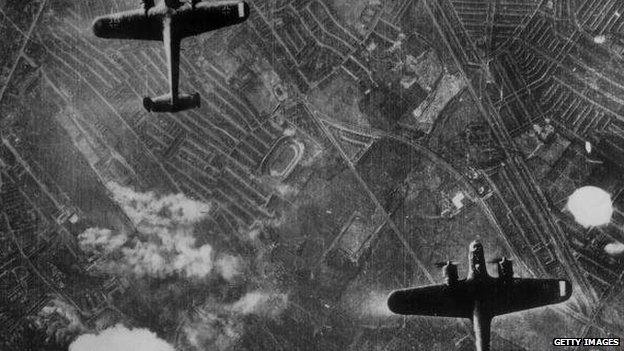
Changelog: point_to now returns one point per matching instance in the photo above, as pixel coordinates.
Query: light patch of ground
(425, 115)
(338, 100)
(424, 70)
(350, 12)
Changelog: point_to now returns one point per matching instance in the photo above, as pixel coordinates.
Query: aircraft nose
(98, 27)
(397, 302)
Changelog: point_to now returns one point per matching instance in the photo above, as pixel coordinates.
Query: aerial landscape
(321, 154)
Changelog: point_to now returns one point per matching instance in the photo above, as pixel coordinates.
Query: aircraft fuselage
(479, 297)
(170, 21)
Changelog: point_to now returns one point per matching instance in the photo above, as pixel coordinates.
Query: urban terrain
(342, 148)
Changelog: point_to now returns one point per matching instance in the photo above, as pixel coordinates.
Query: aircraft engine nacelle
(450, 272)
(505, 269)
(164, 104)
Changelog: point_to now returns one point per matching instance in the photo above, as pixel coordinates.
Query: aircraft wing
(133, 24)
(433, 300)
(208, 16)
(522, 294)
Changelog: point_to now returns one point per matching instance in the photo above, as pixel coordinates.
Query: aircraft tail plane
(170, 22)
(163, 103)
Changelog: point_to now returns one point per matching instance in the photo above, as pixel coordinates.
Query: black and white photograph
(311, 175)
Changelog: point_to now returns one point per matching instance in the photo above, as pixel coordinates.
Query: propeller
(444, 263)
(505, 267)
(498, 260)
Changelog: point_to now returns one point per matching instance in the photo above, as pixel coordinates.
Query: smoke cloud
(209, 329)
(164, 244)
(264, 304)
(229, 266)
(217, 326)
(60, 320)
(153, 211)
(100, 240)
(614, 249)
(120, 338)
(167, 248)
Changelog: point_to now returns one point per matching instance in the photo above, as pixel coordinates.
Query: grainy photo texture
(332, 175)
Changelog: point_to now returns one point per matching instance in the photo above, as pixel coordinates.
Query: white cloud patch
(591, 206)
(165, 244)
(153, 211)
(229, 266)
(60, 320)
(120, 338)
(261, 303)
(217, 326)
(101, 240)
(212, 331)
(614, 249)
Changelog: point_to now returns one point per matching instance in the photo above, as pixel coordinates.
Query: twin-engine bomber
(171, 21)
(479, 297)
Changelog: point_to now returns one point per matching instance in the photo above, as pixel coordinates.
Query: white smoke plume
(212, 331)
(615, 249)
(153, 211)
(101, 240)
(120, 338)
(229, 266)
(60, 320)
(260, 303)
(217, 326)
(165, 244)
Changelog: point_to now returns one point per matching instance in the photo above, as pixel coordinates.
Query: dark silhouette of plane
(479, 297)
(171, 21)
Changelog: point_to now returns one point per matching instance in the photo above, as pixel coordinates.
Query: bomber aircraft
(170, 21)
(479, 297)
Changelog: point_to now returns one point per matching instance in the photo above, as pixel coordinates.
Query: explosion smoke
(615, 249)
(260, 303)
(120, 338)
(164, 244)
(170, 274)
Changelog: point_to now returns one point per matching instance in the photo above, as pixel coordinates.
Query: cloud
(164, 244)
(102, 241)
(120, 338)
(614, 249)
(218, 326)
(229, 266)
(167, 258)
(591, 206)
(285, 190)
(60, 320)
(209, 330)
(149, 209)
(261, 303)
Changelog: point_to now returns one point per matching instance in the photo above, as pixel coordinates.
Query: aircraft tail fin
(164, 103)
